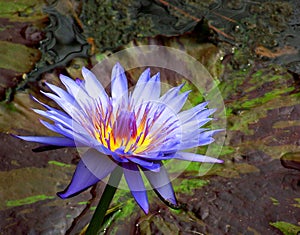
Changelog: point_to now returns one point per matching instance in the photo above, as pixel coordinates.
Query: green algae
(253, 104)
(274, 201)
(244, 86)
(83, 203)
(296, 204)
(27, 200)
(61, 164)
(286, 228)
(265, 98)
(187, 186)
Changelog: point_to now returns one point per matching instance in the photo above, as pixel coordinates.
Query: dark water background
(250, 47)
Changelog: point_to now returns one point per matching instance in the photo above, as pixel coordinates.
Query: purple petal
(137, 95)
(192, 134)
(54, 113)
(79, 82)
(82, 179)
(151, 90)
(212, 132)
(47, 106)
(192, 143)
(197, 119)
(70, 84)
(62, 95)
(171, 94)
(146, 164)
(93, 86)
(119, 86)
(196, 122)
(177, 103)
(49, 140)
(93, 167)
(59, 118)
(56, 129)
(156, 156)
(186, 115)
(99, 164)
(198, 139)
(196, 157)
(69, 105)
(136, 185)
(117, 157)
(76, 91)
(161, 182)
(81, 139)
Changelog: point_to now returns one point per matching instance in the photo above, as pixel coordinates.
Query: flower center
(131, 131)
(123, 132)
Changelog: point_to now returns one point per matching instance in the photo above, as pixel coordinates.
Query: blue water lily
(133, 130)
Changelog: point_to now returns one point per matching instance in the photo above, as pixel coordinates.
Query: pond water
(251, 49)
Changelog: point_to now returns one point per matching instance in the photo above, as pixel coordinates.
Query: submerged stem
(105, 200)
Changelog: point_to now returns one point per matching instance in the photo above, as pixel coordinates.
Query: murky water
(250, 47)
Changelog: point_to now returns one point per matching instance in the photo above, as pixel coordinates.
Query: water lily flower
(133, 130)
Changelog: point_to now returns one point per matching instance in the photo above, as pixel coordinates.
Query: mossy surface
(286, 228)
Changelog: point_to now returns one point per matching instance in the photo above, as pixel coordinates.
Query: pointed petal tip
(84, 69)
(86, 73)
(147, 71)
(65, 194)
(61, 195)
(217, 131)
(187, 92)
(173, 201)
(156, 76)
(20, 137)
(33, 98)
(15, 136)
(118, 66)
(49, 85)
(141, 200)
(193, 157)
(181, 85)
(146, 210)
(62, 76)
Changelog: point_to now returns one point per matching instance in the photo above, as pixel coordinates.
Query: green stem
(105, 200)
